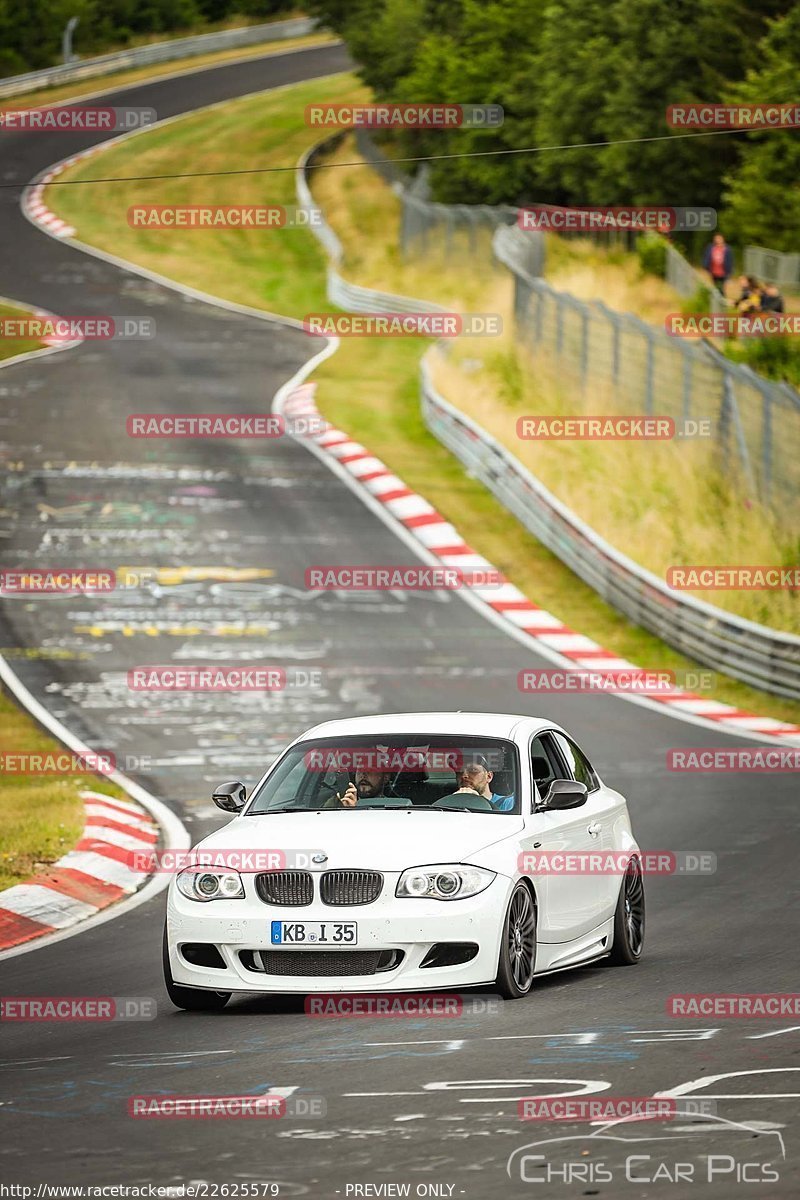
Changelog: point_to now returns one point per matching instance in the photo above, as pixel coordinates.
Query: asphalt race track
(417, 1102)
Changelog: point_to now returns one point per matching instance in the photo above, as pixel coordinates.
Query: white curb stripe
(45, 905)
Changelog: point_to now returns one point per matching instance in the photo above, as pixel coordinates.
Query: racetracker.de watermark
(611, 1108)
(78, 1008)
(223, 679)
(405, 116)
(615, 679)
(608, 428)
(57, 581)
(58, 762)
(732, 325)
(400, 578)
(268, 1105)
(49, 328)
(401, 1005)
(222, 425)
(408, 759)
(617, 862)
(734, 1004)
(745, 759)
(752, 578)
(242, 859)
(223, 216)
(434, 325)
(76, 119)
(759, 115)
(557, 219)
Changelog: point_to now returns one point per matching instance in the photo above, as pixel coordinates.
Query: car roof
(463, 724)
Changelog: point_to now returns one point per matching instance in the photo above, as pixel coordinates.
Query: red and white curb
(33, 204)
(98, 871)
(544, 630)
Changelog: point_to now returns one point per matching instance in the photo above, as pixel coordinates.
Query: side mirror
(563, 793)
(230, 797)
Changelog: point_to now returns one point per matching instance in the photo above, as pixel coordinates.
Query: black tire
(518, 946)
(629, 918)
(189, 998)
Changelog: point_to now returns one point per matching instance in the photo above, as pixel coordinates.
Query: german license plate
(313, 933)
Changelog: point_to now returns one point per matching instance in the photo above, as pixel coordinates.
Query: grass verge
(41, 817)
(370, 387)
(11, 347)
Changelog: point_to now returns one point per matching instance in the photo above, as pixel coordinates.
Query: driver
(367, 785)
(475, 776)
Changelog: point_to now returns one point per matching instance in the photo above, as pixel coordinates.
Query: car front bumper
(237, 928)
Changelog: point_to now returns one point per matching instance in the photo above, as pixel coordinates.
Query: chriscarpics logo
(639, 1150)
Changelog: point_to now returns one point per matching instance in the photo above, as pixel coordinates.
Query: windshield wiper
(266, 812)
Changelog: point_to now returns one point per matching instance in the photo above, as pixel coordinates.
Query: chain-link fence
(772, 266)
(755, 422)
(686, 279)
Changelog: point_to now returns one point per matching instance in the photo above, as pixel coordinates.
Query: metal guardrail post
(649, 370)
(559, 324)
(688, 369)
(766, 446)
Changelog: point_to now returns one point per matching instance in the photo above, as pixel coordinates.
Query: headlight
(444, 882)
(210, 885)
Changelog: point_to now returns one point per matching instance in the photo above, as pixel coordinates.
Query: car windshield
(443, 772)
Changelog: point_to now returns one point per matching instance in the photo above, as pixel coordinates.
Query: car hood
(379, 840)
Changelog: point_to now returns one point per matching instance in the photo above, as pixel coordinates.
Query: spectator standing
(718, 261)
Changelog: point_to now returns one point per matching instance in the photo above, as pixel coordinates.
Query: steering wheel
(470, 800)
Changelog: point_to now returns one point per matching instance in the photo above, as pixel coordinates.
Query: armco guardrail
(753, 653)
(145, 56)
(351, 297)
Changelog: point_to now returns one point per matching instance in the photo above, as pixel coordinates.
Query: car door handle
(594, 828)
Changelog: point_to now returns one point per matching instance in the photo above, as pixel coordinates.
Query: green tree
(575, 75)
(762, 197)
(489, 58)
(665, 54)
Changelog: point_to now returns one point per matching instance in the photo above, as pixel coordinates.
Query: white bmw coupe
(330, 878)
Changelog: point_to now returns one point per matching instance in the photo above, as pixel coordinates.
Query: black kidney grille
(320, 962)
(293, 888)
(350, 887)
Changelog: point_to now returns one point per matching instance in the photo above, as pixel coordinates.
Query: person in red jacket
(718, 261)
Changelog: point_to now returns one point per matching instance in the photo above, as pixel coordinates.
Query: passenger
(475, 776)
(750, 296)
(772, 300)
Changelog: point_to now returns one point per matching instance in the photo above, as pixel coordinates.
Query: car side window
(545, 763)
(577, 763)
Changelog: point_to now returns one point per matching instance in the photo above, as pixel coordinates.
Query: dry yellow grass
(588, 272)
(663, 503)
